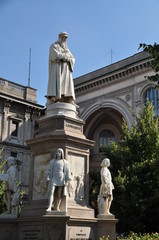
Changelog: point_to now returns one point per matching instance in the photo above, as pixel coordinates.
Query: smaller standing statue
(105, 195)
(58, 176)
(11, 194)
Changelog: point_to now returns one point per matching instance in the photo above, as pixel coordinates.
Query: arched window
(105, 137)
(153, 96)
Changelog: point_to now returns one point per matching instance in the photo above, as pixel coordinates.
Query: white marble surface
(106, 189)
(61, 63)
(39, 181)
(77, 175)
(60, 108)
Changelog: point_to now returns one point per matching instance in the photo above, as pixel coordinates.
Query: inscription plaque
(80, 238)
(80, 233)
(31, 234)
(73, 127)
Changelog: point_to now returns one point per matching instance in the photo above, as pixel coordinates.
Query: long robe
(60, 72)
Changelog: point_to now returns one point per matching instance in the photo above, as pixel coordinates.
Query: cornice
(11, 144)
(9, 99)
(117, 75)
(15, 85)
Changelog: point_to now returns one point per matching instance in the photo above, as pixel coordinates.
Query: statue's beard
(64, 45)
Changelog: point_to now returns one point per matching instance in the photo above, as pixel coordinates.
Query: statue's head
(105, 162)
(59, 153)
(10, 161)
(62, 38)
(63, 34)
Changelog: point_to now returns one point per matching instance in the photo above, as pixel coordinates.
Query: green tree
(135, 173)
(153, 51)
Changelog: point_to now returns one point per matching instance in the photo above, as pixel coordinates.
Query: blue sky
(94, 27)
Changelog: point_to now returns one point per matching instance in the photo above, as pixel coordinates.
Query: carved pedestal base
(48, 227)
(59, 131)
(8, 229)
(60, 108)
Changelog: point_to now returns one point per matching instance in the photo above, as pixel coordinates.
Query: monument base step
(55, 227)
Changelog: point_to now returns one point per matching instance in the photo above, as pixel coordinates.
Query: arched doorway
(103, 126)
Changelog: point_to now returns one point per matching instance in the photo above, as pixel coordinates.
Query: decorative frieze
(126, 72)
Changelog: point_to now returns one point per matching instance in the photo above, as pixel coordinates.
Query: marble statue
(11, 194)
(58, 177)
(71, 186)
(80, 187)
(105, 195)
(61, 63)
(75, 187)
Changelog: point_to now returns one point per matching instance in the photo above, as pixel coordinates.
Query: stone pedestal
(61, 109)
(43, 228)
(106, 225)
(8, 229)
(66, 133)
(59, 129)
(35, 228)
(65, 130)
(59, 226)
(48, 227)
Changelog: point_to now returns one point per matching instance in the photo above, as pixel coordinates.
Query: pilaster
(7, 105)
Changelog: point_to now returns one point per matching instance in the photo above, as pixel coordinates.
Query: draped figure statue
(61, 63)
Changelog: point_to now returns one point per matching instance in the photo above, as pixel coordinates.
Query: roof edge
(138, 57)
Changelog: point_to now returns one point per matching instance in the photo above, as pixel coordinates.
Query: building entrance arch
(103, 123)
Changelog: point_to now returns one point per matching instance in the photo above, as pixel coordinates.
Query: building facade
(18, 113)
(111, 94)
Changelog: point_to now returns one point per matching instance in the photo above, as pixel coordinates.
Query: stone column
(7, 105)
(27, 125)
